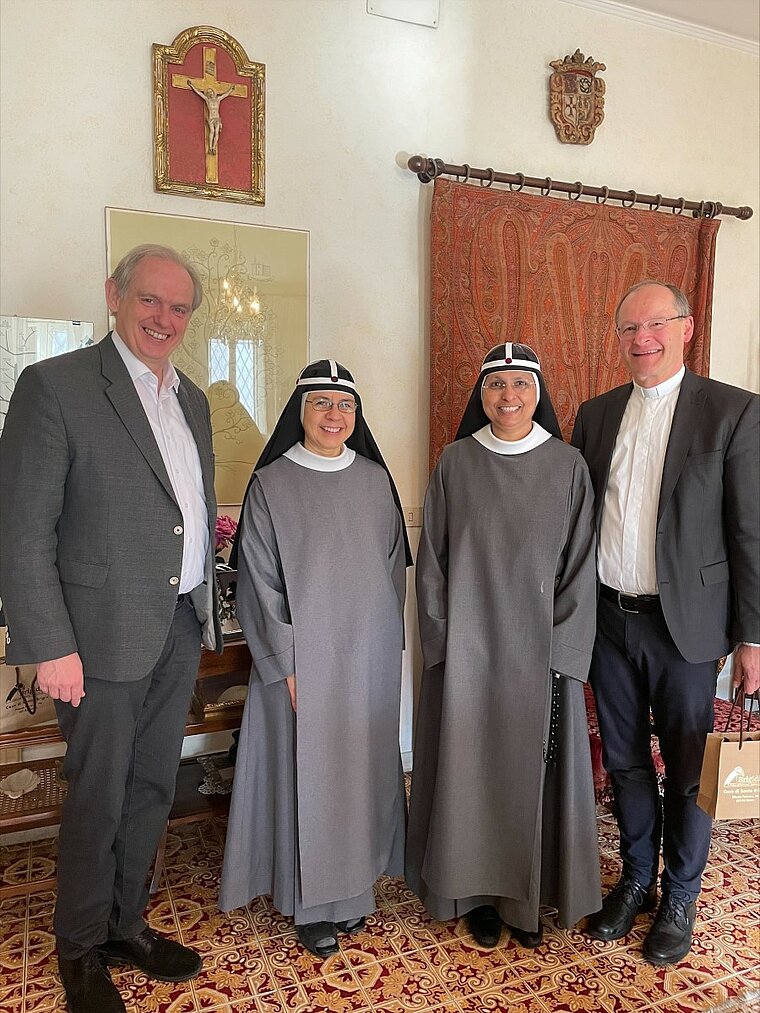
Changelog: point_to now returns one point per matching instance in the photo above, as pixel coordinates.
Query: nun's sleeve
(262, 605)
(432, 572)
(574, 623)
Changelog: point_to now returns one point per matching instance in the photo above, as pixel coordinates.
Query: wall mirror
(248, 339)
(24, 340)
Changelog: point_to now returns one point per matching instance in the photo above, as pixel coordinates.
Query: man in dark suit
(107, 580)
(674, 462)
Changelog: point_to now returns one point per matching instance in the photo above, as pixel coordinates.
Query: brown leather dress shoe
(88, 985)
(619, 909)
(160, 958)
(669, 939)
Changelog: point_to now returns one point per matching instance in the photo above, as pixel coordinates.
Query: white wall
(349, 96)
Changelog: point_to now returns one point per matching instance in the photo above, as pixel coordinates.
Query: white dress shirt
(180, 455)
(626, 559)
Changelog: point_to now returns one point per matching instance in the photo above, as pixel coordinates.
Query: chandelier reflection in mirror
(240, 325)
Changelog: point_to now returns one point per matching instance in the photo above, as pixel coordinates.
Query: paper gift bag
(22, 702)
(729, 787)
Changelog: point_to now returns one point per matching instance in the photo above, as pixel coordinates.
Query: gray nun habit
(318, 806)
(502, 806)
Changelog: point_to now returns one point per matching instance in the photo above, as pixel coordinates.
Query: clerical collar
(315, 462)
(666, 387)
(535, 438)
(137, 368)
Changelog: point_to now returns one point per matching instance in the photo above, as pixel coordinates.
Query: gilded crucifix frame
(208, 118)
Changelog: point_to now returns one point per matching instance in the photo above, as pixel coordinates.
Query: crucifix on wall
(211, 91)
(208, 118)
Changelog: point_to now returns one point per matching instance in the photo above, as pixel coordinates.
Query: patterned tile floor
(403, 961)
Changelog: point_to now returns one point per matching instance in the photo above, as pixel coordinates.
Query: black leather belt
(181, 598)
(634, 603)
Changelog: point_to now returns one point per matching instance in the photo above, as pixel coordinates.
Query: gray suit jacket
(707, 551)
(90, 532)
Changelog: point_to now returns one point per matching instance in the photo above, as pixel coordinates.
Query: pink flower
(225, 531)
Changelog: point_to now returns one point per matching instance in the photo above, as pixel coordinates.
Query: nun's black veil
(325, 374)
(500, 358)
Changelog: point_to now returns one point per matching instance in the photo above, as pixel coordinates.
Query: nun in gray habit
(318, 806)
(502, 815)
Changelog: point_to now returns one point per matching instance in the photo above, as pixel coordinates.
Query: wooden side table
(42, 807)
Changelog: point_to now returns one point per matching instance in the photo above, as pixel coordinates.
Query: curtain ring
(548, 185)
(656, 207)
(604, 196)
(578, 193)
(700, 211)
(717, 209)
(521, 177)
(629, 201)
(490, 178)
(436, 168)
(681, 205)
(466, 172)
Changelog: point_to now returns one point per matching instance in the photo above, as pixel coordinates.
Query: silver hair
(124, 271)
(682, 303)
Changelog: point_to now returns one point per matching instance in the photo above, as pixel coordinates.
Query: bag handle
(739, 695)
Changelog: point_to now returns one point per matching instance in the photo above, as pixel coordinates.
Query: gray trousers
(123, 748)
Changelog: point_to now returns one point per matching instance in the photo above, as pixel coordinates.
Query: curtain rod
(428, 169)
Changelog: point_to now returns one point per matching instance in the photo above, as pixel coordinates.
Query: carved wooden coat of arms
(576, 98)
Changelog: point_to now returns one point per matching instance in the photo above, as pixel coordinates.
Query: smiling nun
(318, 806)
(502, 815)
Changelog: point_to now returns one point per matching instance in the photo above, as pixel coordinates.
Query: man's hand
(291, 681)
(62, 678)
(746, 668)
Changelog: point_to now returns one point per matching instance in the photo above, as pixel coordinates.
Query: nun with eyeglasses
(502, 814)
(318, 807)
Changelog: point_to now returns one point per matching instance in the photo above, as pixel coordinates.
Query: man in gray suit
(674, 462)
(107, 580)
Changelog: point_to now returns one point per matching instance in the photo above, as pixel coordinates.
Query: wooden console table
(42, 807)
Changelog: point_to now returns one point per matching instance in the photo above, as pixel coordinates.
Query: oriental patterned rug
(403, 961)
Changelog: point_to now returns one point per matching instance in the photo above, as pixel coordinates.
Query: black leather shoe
(88, 985)
(160, 958)
(669, 939)
(619, 909)
(352, 926)
(319, 938)
(485, 924)
(527, 939)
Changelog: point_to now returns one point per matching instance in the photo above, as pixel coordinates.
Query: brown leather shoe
(88, 985)
(619, 909)
(669, 939)
(160, 958)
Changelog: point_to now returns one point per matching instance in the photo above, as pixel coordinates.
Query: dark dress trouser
(636, 666)
(123, 747)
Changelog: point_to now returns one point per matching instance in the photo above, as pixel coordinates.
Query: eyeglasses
(324, 404)
(500, 385)
(630, 330)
